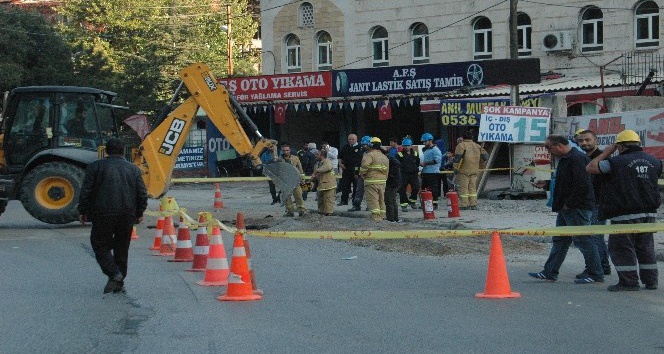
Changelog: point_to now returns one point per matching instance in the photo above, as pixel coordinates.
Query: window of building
(324, 41)
(482, 42)
(379, 47)
(646, 24)
(420, 37)
(306, 15)
(524, 30)
(592, 29)
(293, 60)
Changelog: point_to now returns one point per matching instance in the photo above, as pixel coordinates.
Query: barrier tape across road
(420, 234)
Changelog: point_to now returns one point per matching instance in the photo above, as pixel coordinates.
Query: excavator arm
(158, 153)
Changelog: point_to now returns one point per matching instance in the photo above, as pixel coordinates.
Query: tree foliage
(137, 48)
(32, 52)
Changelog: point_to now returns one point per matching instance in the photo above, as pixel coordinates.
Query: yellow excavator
(51, 133)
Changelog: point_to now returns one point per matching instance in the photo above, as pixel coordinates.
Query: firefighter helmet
(366, 140)
(376, 140)
(407, 142)
(628, 136)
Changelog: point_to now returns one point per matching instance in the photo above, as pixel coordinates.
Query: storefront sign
(649, 124)
(434, 77)
(468, 112)
(280, 87)
(514, 124)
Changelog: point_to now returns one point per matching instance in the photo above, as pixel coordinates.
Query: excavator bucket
(284, 175)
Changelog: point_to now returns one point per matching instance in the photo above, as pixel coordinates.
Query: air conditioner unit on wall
(558, 41)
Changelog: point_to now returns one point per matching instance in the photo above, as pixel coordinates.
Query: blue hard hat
(366, 140)
(426, 137)
(407, 142)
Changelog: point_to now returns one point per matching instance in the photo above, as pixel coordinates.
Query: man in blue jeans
(573, 199)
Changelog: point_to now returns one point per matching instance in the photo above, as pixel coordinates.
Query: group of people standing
(588, 187)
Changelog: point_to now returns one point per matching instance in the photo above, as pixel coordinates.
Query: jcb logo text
(172, 137)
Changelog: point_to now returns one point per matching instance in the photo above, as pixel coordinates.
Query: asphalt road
(316, 301)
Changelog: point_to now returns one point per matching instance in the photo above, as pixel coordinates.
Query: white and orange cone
(158, 232)
(216, 271)
(183, 250)
(167, 247)
(218, 203)
(201, 248)
(239, 281)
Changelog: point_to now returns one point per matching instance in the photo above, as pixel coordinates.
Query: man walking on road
(587, 140)
(573, 199)
(630, 195)
(113, 197)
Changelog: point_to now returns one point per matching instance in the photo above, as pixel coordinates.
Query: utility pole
(229, 41)
(514, 48)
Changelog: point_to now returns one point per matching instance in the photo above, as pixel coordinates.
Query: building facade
(589, 52)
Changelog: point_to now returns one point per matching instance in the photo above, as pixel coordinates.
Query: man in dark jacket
(630, 196)
(410, 167)
(573, 200)
(392, 187)
(113, 197)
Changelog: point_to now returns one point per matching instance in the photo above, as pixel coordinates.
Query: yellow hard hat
(627, 136)
(376, 140)
(579, 131)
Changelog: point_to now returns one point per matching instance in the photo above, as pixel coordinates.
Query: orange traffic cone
(216, 273)
(497, 281)
(239, 281)
(167, 247)
(218, 204)
(201, 248)
(247, 248)
(183, 250)
(134, 235)
(158, 232)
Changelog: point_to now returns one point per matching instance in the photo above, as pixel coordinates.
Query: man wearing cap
(630, 195)
(410, 167)
(430, 162)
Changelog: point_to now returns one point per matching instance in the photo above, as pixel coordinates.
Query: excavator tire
(50, 192)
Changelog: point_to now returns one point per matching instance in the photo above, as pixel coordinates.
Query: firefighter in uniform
(326, 180)
(286, 156)
(410, 163)
(374, 169)
(430, 162)
(467, 156)
(630, 195)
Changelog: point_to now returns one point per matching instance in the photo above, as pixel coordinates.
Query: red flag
(385, 111)
(279, 113)
(139, 123)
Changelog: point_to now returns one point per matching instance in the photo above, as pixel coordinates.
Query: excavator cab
(50, 134)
